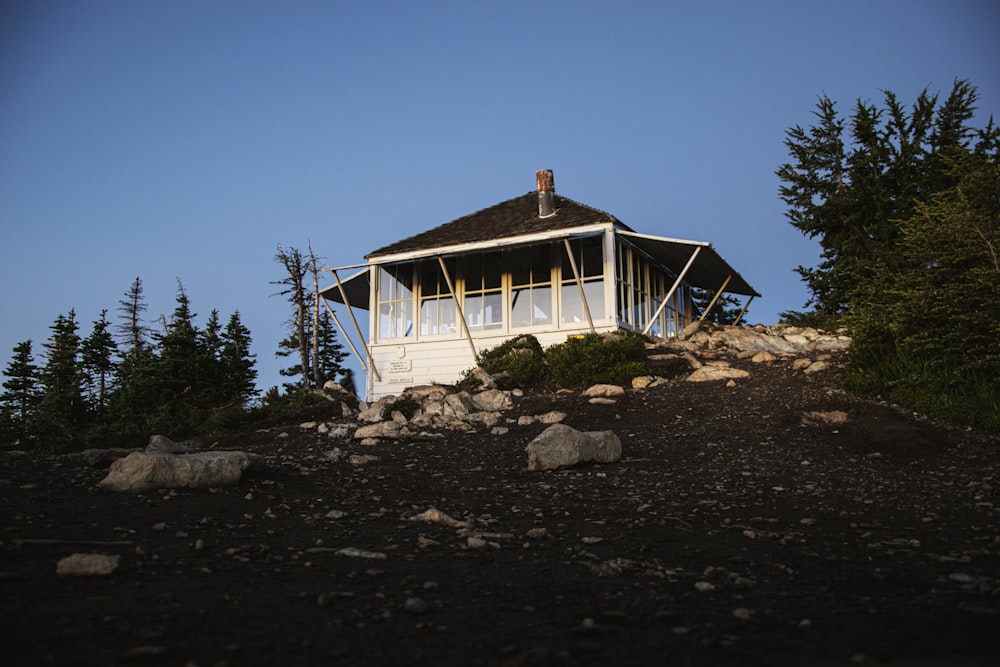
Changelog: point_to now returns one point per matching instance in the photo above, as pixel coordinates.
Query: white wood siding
(408, 364)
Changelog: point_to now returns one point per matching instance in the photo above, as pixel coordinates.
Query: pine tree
(98, 357)
(21, 398)
(63, 409)
(850, 192)
(215, 393)
(183, 392)
(133, 331)
(238, 364)
(331, 354)
(905, 211)
(725, 309)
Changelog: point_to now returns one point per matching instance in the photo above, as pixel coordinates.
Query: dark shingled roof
(508, 219)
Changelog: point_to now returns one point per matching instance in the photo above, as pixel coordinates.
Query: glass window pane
(541, 305)
(428, 316)
(520, 308)
(595, 298)
(493, 310)
(572, 306)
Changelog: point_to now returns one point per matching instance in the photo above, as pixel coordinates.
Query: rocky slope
(760, 519)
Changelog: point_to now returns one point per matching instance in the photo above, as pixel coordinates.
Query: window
(395, 301)
(642, 285)
(483, 303)
(437, 307)
(588, 253)
(531, 286)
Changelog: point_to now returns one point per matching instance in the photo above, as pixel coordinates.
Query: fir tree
(21, 398)
(63, 410)
(132, 330)
(238, 364)
(331, 354)
(182, 389)
(98, 356)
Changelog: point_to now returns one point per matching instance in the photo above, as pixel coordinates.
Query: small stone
(592, 540)
(537, 533)
(742, 613)
(704, 586)
(415, 605)
(87, 565)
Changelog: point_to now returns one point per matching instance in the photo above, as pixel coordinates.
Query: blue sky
(186, 139)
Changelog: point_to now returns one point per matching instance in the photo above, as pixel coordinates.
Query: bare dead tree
(293, 289)
(316, 367)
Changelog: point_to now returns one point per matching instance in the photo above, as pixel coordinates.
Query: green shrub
(597, 359)
(516, 363)
(969, 398)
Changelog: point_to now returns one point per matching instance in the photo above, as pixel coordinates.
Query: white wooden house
(537, 264)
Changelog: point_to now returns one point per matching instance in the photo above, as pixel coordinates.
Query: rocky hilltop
(751, 514)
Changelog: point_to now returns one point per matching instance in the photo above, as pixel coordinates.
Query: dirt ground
(732, 532)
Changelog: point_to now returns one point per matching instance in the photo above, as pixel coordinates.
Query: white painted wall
(443, 361)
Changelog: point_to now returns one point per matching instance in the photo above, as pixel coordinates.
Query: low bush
(517, 363)
(613, 358)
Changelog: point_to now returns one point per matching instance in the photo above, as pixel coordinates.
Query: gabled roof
(508, 219)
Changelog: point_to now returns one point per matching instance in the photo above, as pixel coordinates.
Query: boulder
(604, 391)
(560, 446)
(146, 471)
(816, 367)
(87, 565)
(712, 373)
(386, 429)
(492, 400)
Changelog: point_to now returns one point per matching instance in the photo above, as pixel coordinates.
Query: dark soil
(730, 533)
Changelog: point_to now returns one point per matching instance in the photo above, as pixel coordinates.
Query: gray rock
(146, 471)
(560, 446)
(492, 400)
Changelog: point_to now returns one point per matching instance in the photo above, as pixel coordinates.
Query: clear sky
(186, 139)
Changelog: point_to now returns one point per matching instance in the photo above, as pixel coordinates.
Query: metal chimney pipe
(546, 187)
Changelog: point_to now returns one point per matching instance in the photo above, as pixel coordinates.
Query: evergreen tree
(133, 331)
(98, 356)
(905, 210)
(238, 364)
(214, 375)
(849, 193)
(331, 354)
(725, 309)
(20, 399)
(133, 407)
(63, 410)
(183, 392)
